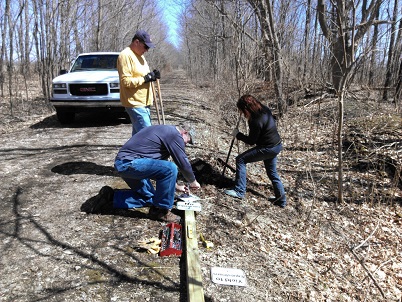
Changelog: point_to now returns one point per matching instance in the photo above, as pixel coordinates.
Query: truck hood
(88, 77)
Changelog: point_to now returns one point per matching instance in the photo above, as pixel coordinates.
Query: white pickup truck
(91, 84)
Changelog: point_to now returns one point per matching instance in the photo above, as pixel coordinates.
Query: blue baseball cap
(143, 36)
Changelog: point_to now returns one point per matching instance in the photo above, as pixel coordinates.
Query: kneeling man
(144, 157)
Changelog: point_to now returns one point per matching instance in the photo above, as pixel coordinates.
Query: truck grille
(88, 89)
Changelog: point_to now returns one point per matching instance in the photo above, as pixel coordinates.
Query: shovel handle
(156, 102)
(231, 146)
(160, 100)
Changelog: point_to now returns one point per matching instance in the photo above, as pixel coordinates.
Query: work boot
(163, 215)
(278, 201)
(100, 203)
(233, 193)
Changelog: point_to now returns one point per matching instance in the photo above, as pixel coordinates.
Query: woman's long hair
(249, 105)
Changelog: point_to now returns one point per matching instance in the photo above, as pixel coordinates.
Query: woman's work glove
(234, 132)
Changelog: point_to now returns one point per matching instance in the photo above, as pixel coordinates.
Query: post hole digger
(231, 146)
(159, 98)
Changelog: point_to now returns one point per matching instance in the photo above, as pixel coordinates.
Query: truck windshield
(95, 62)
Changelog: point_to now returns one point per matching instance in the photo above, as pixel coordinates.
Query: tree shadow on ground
(207, 174)
(115, 275)
(82, 167)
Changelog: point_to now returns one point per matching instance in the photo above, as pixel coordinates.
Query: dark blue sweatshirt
(158, 142)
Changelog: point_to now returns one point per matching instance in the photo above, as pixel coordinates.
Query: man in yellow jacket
(135, 80)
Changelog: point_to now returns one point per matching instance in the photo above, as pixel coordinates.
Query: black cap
(143, 36)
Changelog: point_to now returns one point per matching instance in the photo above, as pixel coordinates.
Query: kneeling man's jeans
(137, 174)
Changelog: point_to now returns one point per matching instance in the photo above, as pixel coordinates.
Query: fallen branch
(352, 250)
(316, 99)
(367, 271)
(361, 244)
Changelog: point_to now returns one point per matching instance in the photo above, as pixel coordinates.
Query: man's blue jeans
(140, 118)
(269, 156)
(137, 174)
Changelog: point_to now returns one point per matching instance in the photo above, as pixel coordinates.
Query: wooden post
(195, 292)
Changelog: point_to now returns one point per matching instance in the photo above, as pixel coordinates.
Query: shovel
(230, 149)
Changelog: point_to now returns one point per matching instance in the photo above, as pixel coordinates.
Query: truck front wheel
(65, 117)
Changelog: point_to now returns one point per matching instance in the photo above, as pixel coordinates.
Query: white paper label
(188, 206)
(188, 197)
(228, 276)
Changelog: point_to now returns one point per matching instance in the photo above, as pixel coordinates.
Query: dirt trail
(50, 251)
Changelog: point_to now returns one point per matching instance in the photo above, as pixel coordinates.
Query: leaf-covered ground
(315, 249)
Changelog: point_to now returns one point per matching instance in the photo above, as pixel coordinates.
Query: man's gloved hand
(234, 132)
(150, 77)
(157, 73)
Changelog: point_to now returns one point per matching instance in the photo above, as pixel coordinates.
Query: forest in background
(332, 68)
(291, 45)
(289, 50)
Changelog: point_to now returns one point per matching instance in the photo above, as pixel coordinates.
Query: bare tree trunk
(398, 88)
(98, 26)
(39, 43)
(269, 35)
(10, 65)
(66, 23)
(27, 44)
(341, 98)
(315, 57)
(306, 39)
(23, 46)
(398, 54)
(3, 45)
(344, 35)
(390, 61)
(77, 39)
(373, 51)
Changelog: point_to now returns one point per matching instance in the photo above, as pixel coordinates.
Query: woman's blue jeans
(269, 156)
(140, 118)
(137, 174)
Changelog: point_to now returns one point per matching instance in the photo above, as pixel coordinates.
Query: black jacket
(262, 130)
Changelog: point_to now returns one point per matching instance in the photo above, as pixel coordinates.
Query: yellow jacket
(132, 69)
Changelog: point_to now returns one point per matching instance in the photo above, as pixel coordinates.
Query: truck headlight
(59, 85)
(114, 85)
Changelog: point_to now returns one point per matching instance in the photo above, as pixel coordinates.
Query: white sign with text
(228, 276)
(188, 206)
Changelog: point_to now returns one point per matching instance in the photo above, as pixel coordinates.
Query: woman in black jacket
(264, 134)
